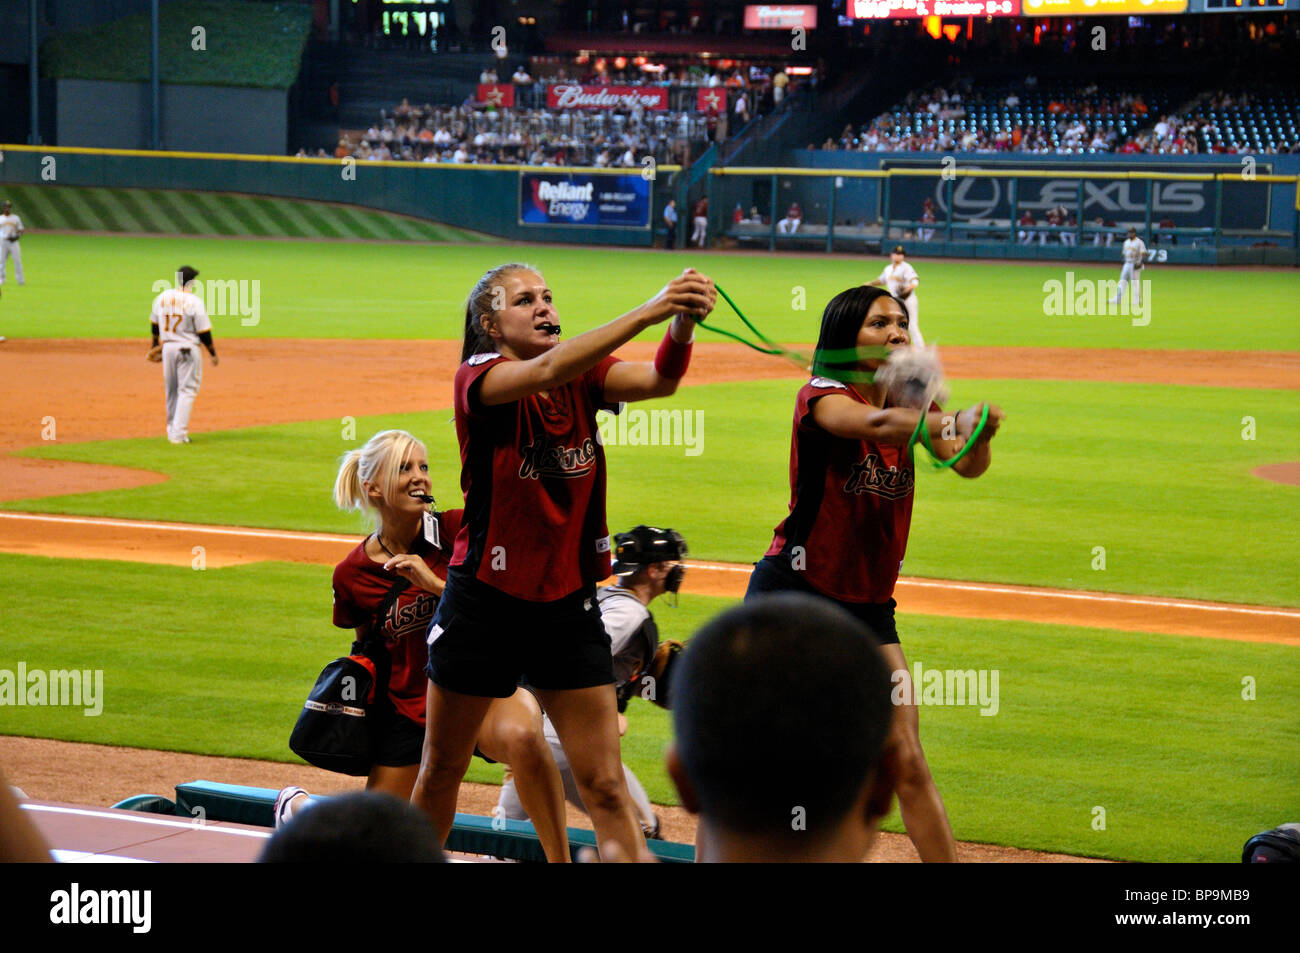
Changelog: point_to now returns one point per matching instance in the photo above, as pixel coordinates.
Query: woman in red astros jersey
(520, 601)
(851, 482)
(389, 477)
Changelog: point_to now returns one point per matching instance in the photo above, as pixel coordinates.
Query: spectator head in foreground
(1281, 845)
(781, 716)
(360, 827)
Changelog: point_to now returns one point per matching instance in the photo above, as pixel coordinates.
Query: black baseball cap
(186, 274)
(897, 250)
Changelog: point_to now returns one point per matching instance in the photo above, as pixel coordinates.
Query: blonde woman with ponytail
(388, 479)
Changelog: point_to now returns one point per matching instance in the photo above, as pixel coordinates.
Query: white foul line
(717, 567)
(180, 527)
(1043, 593)
(142, 819)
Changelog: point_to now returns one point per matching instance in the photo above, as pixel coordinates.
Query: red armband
(672, 358)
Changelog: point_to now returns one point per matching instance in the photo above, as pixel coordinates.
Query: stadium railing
(1193, 218)
(470, 833)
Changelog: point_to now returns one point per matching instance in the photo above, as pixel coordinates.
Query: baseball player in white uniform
(900, 279)
(180, 323)
(11, 230)
(647, 562)
(1134, 255)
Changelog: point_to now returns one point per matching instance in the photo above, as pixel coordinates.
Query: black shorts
(772, 575)
(398, 741)
(484, 642)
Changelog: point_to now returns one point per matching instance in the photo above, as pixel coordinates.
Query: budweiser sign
(566, 96)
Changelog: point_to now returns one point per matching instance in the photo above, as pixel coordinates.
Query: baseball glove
(155, 354)
(660, 670)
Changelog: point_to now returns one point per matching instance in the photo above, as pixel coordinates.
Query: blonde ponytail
(348, 494)
(378, 463)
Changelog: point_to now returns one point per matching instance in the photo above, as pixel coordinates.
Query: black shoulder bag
(335, 728)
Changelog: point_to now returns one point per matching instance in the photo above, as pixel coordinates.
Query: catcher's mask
(646, 545)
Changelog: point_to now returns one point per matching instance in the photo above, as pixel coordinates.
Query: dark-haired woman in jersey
(520, 601)
(851, 483)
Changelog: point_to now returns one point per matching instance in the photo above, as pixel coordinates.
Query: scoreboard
(1098, 8)
(915, 9)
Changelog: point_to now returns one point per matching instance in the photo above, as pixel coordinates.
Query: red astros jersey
(533, 474)
(850, 506)
(360, 585)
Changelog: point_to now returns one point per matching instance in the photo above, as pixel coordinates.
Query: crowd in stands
(1075, 121)
(467, 134)
(528, 132)
(1004, 119)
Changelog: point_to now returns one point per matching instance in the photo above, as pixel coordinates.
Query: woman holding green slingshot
(851, 483)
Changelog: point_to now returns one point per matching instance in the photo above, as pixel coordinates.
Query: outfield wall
(481, 198)
(858, 202)
(1223, 208)
(110, 115)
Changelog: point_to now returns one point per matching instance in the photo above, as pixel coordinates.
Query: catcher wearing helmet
(647, 562)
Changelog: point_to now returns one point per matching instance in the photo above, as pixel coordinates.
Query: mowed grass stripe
(146, 213)
(99, 217)
(275, 213)
(360, 225)
(155, 212)
(240, 208)
(353, 225)
(40, 210)
(257, 214)
(124, 217)
(219, 216)
(296, 223)
(317, 221)
(181, 213)
(396, 226)
(73, 210)
(171, 212)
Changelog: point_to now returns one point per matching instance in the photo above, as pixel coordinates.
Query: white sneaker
(2, 337)
(282, 801)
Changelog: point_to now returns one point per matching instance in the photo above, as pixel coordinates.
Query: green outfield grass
(176, 213)
(93, 286)
(1152, 729)
(1157, 476)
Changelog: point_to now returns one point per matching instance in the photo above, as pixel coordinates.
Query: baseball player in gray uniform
(179, 322)
(647, 562)
(1135, 251)
(11, 230)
